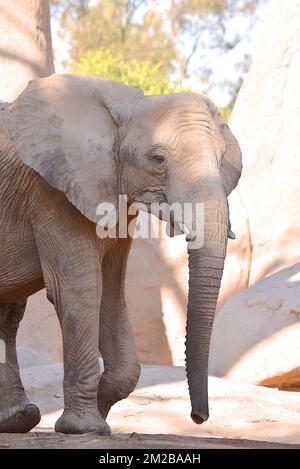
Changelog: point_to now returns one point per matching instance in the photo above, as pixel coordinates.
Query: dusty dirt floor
(156, 415)
(50, 440)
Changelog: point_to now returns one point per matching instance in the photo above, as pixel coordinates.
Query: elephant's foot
(82, 422)
(20, 418)
(115, 386)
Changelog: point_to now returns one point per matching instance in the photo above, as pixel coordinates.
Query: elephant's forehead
(172, 107)
(161, 119)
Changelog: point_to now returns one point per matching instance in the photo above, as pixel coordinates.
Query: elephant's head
(95, 139)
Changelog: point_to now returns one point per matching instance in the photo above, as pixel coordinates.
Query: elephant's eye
(158, 158)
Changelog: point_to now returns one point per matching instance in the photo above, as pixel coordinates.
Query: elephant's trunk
(206, 268)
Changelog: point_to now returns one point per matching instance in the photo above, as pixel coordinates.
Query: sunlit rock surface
(256, 336)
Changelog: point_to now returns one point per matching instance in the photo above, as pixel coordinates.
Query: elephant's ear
(64, 127)
(231, 164)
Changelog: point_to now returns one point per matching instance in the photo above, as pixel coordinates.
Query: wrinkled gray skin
(67, 144)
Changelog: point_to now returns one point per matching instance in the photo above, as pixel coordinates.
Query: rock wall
(265, 120)
(25, 45)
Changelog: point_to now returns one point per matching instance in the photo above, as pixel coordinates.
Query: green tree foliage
(137, 41)
(130, 28)
(139, 73)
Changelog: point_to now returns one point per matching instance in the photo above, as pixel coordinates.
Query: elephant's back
(6, 147)
(16, 179)
(6, 163)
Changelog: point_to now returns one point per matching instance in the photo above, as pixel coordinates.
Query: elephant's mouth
(148, 196)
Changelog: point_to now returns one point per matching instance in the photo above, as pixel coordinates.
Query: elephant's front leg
(72, 273)
(79, 323)
(116, 342)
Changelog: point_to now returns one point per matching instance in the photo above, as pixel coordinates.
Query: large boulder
(256, 336)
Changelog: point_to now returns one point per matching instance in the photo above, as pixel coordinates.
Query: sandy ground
(156, 415)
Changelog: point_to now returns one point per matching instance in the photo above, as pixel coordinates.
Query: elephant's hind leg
(17, 414)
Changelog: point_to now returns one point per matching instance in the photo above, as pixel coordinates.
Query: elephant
(67, 144)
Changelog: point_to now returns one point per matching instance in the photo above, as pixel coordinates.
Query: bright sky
(223, 66)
